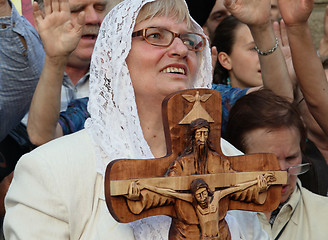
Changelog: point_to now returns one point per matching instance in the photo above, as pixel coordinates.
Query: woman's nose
(178, 48)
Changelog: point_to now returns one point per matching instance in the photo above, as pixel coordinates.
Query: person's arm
(323, 47)
(310, 73)
(136, 187)
(60, 37)
(166, 192)
(21, 61)
(256, 14)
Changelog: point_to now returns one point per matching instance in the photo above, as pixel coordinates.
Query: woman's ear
(225, 60)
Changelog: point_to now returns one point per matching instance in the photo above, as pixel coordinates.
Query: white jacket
(57, 194)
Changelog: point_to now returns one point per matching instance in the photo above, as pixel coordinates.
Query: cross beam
(182, 183)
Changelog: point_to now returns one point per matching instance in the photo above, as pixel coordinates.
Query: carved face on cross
(201, 196)
(201, 136)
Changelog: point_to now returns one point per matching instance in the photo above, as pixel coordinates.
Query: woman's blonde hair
(173, 8)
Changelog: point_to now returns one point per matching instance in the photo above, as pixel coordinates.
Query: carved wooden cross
(159, 176)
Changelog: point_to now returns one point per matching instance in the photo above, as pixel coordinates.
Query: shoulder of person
(67, 156)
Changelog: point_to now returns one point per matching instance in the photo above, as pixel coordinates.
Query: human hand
(295, 12)
(59, 34)
(269, 177)
(263, 180)
(250, 12)
(281, 33)
(134, 191)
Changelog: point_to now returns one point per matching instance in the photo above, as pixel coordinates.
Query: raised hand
(295, 12)
(59, 34)
(251, 12)
(281, 33)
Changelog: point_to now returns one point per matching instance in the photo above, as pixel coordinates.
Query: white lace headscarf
(114, 124)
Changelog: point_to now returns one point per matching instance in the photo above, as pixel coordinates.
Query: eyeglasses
(162, 37)
(299, 169)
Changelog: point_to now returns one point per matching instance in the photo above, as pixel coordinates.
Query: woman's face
(158, 71)
(285, 144)
(245, 70)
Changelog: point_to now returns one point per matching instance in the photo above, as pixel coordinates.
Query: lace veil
(114, 124)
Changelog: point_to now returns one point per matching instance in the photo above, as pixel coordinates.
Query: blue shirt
(72, 120)
(229, 96)
(20, 69)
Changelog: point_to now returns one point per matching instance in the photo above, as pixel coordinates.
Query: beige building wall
(316, 21)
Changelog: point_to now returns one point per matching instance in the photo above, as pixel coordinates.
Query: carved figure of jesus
(205, 202)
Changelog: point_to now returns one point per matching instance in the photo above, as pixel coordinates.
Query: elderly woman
(145, 50)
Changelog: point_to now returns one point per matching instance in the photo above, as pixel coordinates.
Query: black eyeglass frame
(142, 33)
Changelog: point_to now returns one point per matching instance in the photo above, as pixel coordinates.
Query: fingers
(283, 32)
(261, 181)
(55, 5)
(37, 14)
(133, 191)
(47, 7)
(276, 30)
(64, 6)
(136, 190)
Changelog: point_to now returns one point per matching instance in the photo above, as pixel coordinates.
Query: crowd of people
(97, 71)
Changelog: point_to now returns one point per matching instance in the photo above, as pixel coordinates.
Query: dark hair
(262, 109)
(198, 124)
(200, 10)
(224, 39)
(199, 183)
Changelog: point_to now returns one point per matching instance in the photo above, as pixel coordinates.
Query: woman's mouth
(175, 70)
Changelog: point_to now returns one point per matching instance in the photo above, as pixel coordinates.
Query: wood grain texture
(175, 108)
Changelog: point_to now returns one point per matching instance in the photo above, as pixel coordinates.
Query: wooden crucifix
(195, 183)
